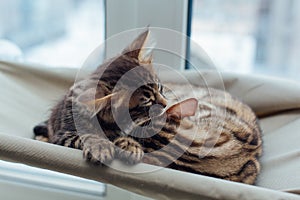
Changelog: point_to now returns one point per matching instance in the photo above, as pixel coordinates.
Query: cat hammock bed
(27, 93)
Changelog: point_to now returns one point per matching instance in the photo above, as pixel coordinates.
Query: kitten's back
(224, 136)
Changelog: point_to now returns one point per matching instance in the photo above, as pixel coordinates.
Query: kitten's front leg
(128, 150)
(96, 149)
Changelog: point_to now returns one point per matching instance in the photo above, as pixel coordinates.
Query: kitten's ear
(94, 101)
(183, 109)
(140, 48)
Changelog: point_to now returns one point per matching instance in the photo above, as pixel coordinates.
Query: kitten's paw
(98, 152)
(41, 138)
(129, 151)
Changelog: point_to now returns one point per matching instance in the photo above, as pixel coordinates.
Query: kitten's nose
(161, 100)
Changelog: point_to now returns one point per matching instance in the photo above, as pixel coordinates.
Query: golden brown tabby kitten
(223, 138)
(84, 119)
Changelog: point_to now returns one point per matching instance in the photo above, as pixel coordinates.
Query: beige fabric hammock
(28, 92)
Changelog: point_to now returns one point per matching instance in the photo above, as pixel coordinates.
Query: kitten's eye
(147, 94)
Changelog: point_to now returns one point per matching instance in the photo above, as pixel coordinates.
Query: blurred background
(250, 36)
(246, 36)
(53, 32)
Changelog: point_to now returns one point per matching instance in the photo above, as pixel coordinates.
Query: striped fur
(222, 140)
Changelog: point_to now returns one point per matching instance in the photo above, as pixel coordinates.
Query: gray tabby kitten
(211, 134)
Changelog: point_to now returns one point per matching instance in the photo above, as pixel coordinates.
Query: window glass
(50, 32)
(257, 36)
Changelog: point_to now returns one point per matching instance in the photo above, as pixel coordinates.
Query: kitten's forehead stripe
(147, 87)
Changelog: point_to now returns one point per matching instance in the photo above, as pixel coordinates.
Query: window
(50, 32)
(257, 36)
